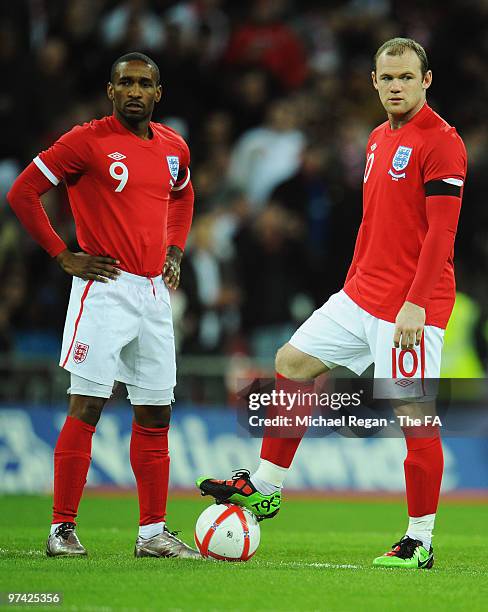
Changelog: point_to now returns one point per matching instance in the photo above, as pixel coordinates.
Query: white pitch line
(316, 565)
(25, 553)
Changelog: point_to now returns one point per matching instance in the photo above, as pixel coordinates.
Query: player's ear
(159, 93)
(373, 78)
(110, 91)
(427, 81)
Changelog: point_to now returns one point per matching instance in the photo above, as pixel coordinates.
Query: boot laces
(238, 474)
(65, 530)
(406, 547)
(173, 534)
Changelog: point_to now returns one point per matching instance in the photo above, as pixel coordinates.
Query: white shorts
(121, 330)
(342, 333)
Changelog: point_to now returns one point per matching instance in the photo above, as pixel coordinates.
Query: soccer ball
(227, 532)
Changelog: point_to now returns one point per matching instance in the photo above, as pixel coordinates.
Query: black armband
(442, 187)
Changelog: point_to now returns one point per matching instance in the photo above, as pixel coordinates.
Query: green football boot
(242, 492)
(407, 553)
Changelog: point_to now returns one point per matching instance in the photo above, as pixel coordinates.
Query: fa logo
(80, 352)
(173, 165)
(400, 162)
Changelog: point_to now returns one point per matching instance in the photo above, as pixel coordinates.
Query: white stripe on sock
(269, 473)
(420, 528)
(149, 531)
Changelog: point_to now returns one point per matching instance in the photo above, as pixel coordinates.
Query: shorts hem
(91, 394)
(88, 376)
(332, 364)
(149, 387)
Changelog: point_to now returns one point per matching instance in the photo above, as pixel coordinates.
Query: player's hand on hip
(89, 267)
(409, 326)
(171, 268)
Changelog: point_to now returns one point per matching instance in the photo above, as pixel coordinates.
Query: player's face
(400, 83)
(134, 91)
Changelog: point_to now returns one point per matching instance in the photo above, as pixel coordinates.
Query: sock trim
(151, 530)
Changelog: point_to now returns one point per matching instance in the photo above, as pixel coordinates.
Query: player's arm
(180, 214)
(442, 216)
(24, 198)
(443, 205)
(443, 173)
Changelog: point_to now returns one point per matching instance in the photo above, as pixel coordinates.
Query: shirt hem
(390, 318)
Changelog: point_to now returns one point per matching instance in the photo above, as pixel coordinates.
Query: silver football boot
(164, 544)
(64, 542)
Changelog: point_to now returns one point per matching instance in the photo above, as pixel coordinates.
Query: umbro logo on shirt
(117, 156)
(373, 146)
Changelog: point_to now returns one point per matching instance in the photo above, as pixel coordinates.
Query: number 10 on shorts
(405, 363)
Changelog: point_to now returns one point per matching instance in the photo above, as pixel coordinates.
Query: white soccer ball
(227, 532)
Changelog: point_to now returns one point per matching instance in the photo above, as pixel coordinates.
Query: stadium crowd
(275, 100)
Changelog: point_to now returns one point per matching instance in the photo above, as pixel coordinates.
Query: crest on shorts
(80, 352)
(173, 165)
(401, 158)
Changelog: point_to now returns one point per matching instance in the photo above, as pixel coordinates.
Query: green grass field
(316, 555)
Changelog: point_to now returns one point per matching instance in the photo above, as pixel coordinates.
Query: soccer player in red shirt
(396, 301)
(128, 182)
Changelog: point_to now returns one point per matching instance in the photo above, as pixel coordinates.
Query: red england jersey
(403, 167)
(119, 188)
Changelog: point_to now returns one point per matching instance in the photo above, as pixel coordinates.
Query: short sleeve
(445, 158)
(66, 156)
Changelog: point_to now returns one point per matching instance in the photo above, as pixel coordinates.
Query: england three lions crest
(400, 162)
(173, 165)
(80, 352)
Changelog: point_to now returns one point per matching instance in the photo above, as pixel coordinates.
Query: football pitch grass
(315, 555)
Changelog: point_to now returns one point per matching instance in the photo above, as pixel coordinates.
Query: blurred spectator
(248, 98)
(79, 28)
(202, 20)
(53, 84)
(267, 155)
(307, 197)
(266, 42)
(211, 298)
(135, 23)
(270, 272)
(14, 99)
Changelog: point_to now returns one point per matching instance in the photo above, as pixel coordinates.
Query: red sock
(423, 466)
(276, 448)
(149, 458)
(72, 457)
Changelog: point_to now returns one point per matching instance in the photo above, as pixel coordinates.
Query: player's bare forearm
(409, 326)
(171, 269)
(88, 267)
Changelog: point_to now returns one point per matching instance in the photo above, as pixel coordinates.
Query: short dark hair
(135, 56)
(398, 46)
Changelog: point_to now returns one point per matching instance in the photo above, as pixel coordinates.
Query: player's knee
(296, 365)
(287, 362)
(152, 416)
(86, 409)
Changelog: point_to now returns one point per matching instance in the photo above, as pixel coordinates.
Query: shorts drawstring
(153, 288)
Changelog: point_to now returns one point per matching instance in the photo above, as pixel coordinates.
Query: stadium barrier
(206, 441)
